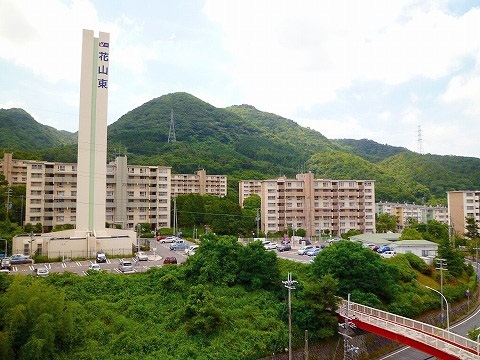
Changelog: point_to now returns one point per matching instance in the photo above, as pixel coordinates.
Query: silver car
(125, 266)
(141, 256)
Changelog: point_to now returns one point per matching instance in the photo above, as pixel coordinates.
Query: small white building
(421, 248)
(70, 244)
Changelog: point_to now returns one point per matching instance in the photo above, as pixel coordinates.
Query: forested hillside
(245, 143)
(19, 131)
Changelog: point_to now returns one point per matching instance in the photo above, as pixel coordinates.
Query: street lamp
(446, 303)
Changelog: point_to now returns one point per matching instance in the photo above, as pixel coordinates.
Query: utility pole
(290, 285)
(441, 265)
(257, 219)
(8, 205)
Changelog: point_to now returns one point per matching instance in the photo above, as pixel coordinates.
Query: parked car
(284, 247)
(270, 245)
(125, 266)
(334, 240)
(303, 250)
(388, 254)
(20, 259)
(168, 239)
(314, 252)
(179, 245)
(170, 260)
(101, 257)
(94, 267)
(141, 256)
(6, 264)
(191, 250)
(41, 272)
(383, 249)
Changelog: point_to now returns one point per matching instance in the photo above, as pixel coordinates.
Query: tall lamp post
(446, 303)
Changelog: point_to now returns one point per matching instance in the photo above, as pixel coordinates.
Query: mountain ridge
(245, 143)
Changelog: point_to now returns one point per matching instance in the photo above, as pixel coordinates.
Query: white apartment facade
(313, 204)
(461, 205)
(419, 213)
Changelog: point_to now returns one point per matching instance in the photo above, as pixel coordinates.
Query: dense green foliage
(245, 143)
(226, 302)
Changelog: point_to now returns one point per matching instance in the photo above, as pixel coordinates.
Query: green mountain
(19, 131)
(245, 143)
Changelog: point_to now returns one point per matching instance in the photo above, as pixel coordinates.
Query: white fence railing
(439, 338)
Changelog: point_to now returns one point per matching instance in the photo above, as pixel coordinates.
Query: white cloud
(306, 52)
(464, 90)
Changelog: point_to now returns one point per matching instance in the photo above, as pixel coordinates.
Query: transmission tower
(171, 132)
(419, 140)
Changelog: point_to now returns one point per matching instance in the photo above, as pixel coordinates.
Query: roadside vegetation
(226, 302)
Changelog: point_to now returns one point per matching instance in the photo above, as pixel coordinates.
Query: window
(61, 168)
(60, 218)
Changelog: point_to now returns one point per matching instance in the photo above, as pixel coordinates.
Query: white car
(169, 239)
(304, 249)
(94, 266)
(270, 245)
(42, 272)
(191, 250)
(141, 256)
(388, 254)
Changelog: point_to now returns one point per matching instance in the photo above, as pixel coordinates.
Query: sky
(402, 72)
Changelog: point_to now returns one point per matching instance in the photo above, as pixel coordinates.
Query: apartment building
(313, 204)
(461, 205)
(134, 193)
(199, 183)
(419, 213)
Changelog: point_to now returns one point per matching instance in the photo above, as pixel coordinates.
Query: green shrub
(418, 264)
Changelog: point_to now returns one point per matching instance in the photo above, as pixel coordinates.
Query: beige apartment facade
(313, 204)
(134, 193)
(199, 183)
(461, 205)
(419, 213)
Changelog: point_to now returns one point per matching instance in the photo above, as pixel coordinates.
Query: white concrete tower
(92, 135)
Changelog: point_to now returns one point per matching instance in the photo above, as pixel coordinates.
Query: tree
(472, 233)
(386, 222)
(355, 268)
(410, 233)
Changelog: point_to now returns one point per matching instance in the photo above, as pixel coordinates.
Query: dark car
(383, 249)
(284, 247)
(170, 260)
(101, 257)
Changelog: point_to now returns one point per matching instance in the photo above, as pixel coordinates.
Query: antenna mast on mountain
(419, 140)
(171, 132)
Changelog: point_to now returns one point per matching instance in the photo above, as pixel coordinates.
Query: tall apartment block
(134, 193)
(199, 183)
(419, 213)
(313, 204)
(461, 205)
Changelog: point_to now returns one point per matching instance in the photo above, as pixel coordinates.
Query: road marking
(64, 265)
(78, 263)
